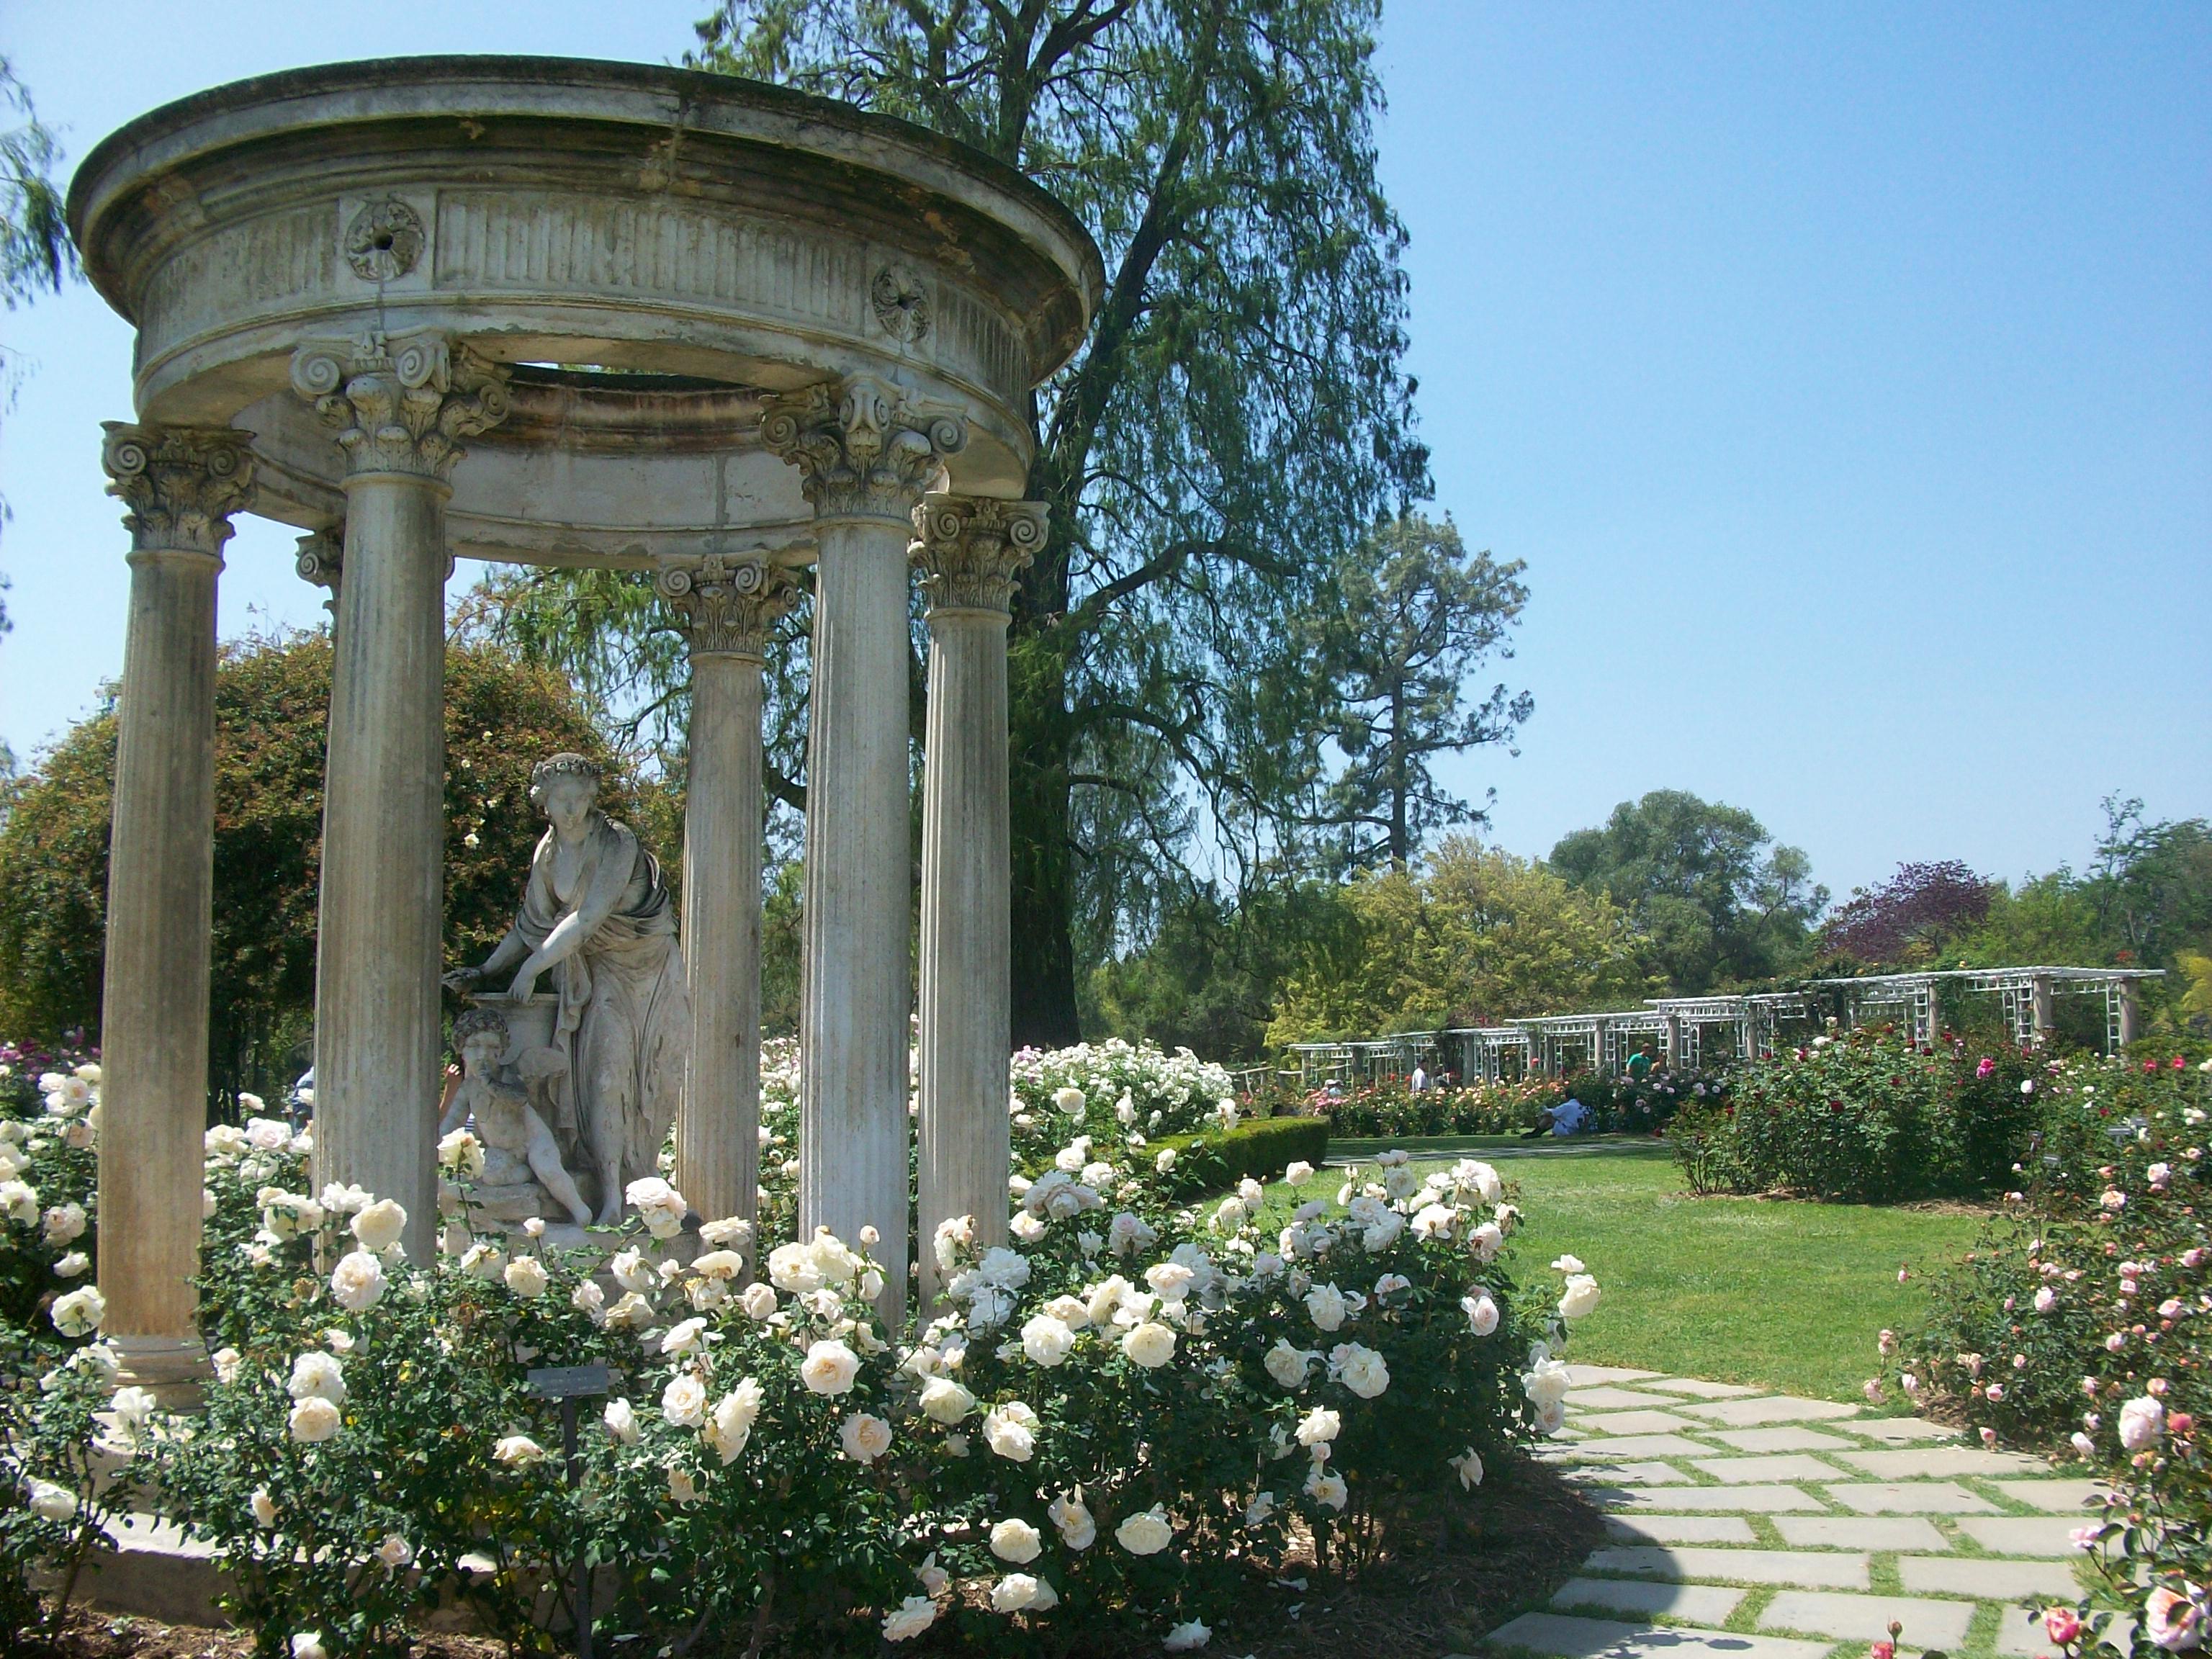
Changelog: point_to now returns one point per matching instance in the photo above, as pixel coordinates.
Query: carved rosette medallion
(384, 242)
(402, 403)
(726, 606)
(180, 484)
(902, 303)
(969, 548)
(862, 451)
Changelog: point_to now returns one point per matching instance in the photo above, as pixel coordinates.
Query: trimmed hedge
(1260, 1148)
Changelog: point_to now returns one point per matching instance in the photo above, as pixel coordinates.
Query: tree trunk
(1042, 912)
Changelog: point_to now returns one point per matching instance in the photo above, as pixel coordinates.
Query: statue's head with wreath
(565, 787)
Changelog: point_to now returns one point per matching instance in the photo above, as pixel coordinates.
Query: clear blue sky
(1843, 373)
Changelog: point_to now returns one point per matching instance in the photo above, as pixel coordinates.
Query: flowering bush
(2079, 1325)
(1384, 1110)
(1869, 1117)
(1125, 1424)
(1112, 1088)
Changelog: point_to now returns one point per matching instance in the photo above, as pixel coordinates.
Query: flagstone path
(1745, 1524)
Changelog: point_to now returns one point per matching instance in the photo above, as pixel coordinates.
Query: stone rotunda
(565, 313)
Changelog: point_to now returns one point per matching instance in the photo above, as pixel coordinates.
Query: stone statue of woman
(597, 916)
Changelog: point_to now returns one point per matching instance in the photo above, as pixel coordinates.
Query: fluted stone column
(968, 550)
(724, 608)
(865, 456)
(181, 485)
(398, 408)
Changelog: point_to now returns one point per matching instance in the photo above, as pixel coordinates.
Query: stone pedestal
(724, 608)
(181, 486)
(865, 458)
(398, 408)
(968, 550)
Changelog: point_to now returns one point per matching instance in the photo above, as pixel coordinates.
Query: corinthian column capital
(863, 450)
(725, 606)
(969, 549)
(400, 403)
(180, 484)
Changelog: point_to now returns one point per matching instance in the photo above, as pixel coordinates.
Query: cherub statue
(517, 1145)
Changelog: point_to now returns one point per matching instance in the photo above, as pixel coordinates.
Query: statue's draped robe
(625, 1017)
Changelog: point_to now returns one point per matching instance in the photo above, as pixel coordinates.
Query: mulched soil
(1464, 1565)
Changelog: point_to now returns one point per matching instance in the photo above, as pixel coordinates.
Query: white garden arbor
(582, 313)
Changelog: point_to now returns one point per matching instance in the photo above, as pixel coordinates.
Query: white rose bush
(1120, 1426)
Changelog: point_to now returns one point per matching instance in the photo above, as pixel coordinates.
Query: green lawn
(1783, 1294)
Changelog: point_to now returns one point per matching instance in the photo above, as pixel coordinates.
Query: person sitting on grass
(1566, 1118)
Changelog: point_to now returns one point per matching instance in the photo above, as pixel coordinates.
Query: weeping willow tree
(1235, 420)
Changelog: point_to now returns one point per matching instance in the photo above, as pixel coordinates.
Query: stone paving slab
(1750, 1471)
(1867, 1617)
(2015, 1535)
(2055, 1497)
(1614, 1399)
(1814, 1570)
(1645, 1445)
(1694, 1604)
(1860, 1532)
(1726, 1500)
(1987, 1581)
(1652, 1473)
(1900, 1431)
(1910, 1497)
(1787, 1438)
(1697, 1388)
(1775, 1408)
(1588, 1377)
(1926, 1463)
(1645, 1422)
(1680, 1529)
(1567, 1637)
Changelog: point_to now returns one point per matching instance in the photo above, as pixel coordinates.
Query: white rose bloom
(309, 1644)
(944, 1400)
(1165, 1161)
(865, 1437)
(207, 1203)
(681, 1486)
(1487, 1241)
(684, 1401)
(1046, 1340)
(2143, 1420)
(526, 1277)
(1146, 1532)
(1299, 1174)
(731, 1232)
(1319, 1427)
(633, 1273)
(1473, 1176)
(1579, 1297)
(587, 1299)
(266, 1134)
(461, 1155)
(829, 1368)
(1070, 1310)
(1010, 1431)
(1551, 1419)
(1150, 1345)
(1026, 1227)
(518, 1451)
(1287, 1364)
(50, 1502)
(396, 1553)
(314, 1420)
(1016, 1591)
(1260, 1509)
(75, 1265)
(729, 1424)
(318, 1375)
(1481, 1311)
(1187, 1637)
(380, 1225)
(1171, 1280)
(758, 1301)
(1434, 1221)
(684, 1336)
(1326, 1306)
(1079, 1529)
(910, 1619)
(263, 1506)
(1325, 1488)
(79, 1312)
(792, 1268)
(227, 1363)
(1469, 1465)
(1567, 1264)
(1014, 1539)
(357, 1282)
(1360, 1369)
(621, 1418)
(1546, 1383)
(63, 1224)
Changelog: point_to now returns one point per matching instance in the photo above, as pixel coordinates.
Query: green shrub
(1387, 1110)
(1260, 1148)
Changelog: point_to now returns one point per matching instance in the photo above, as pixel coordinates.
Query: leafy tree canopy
(1910, 918)
(272, 705)
(1718, 902)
